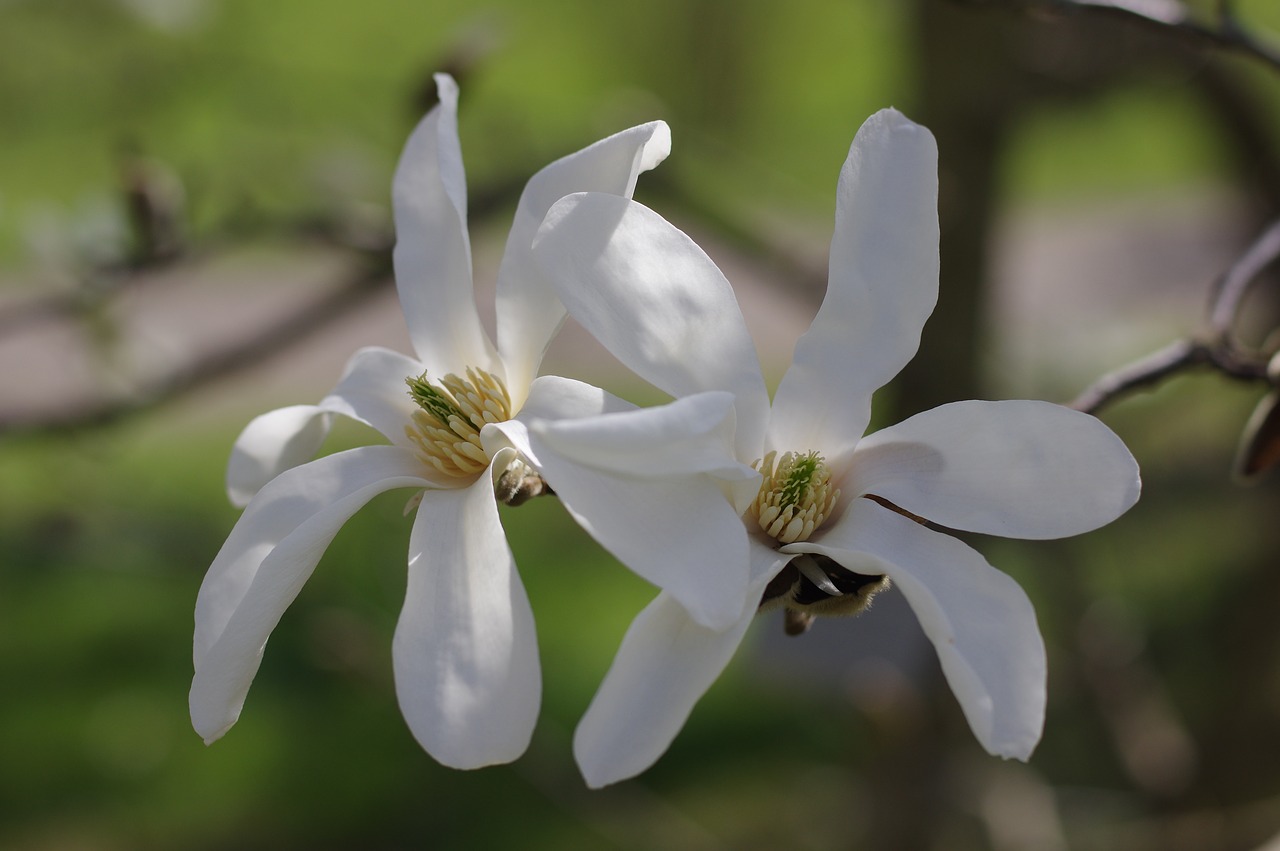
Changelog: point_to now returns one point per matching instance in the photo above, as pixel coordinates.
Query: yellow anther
(795, 497)
(446, 431)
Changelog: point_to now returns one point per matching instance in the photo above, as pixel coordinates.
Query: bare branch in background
(1171, 17)
(1217, 348)
(156, 246)
(153, 201)
(1230, 290)
(1146, 372)
(220, 363)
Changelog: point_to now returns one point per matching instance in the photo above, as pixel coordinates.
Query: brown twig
(1171, 17)
(373, 273)
(1230, 290)
(219, 364)
(1217, 348)
(1145, 372)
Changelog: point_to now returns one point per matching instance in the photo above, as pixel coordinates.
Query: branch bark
(1172, 18)
(1218, 348)
(217, 365)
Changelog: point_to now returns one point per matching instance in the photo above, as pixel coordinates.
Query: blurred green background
(1095, 179)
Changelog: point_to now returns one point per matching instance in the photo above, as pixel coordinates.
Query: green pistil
(433, 400)
(799, 478)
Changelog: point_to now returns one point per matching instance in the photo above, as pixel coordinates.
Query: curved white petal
(680, 532)
(528, 310)
(690, 435)
(372, 391)
(552, 397)
(1021, 469)
(659, 488)
(465, 650)
(979, 620)
(666, 663)
(272, 443)
(664, 666)
(656, 301)
(882, 286)
(433, 250)
(265, 561)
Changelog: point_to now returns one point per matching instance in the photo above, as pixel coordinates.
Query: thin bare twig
(1217, 348)
(1145, 372)
(106, 282)
(219, 364)
(371, 276)
(1173, 18)
(1230, 290)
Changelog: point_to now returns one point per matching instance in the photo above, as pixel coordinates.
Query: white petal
(664, 666)
(265, 561)
(1021, 469)
(979, 620)
(272, 443)
(656, 301)
(689, 435)
(465, 651)
(660, 489)
(372, 391)
(552, 397)
(528, 310)
(882, 286)
(679, 532)
(433, 250)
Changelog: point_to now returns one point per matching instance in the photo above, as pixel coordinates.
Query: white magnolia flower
(836, 510)
(465, 658)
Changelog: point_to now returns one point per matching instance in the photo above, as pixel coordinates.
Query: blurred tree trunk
(966, 97)
(980, 68)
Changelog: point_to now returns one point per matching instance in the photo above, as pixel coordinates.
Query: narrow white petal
(680, 532)
(979, 620)
(433, 250)
(666, 663)
(372, 391)
(659, 488)
(1021, 469)
(552, 397)
(465, 650)
(272, 443)
(266, 560)
(656, 301)
(528, 310)
(882, 286)
(689, 435)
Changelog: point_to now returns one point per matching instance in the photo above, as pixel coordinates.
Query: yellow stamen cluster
(447, 429)
(795, 497)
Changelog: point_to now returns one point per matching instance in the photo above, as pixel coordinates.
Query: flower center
(795, 497)
(446, 431)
